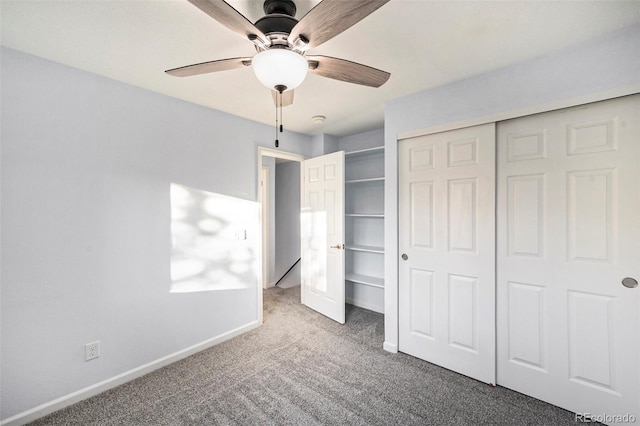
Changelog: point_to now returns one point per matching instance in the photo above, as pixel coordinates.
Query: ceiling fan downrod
(285, 7)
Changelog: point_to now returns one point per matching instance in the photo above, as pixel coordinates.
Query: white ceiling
(423, 44)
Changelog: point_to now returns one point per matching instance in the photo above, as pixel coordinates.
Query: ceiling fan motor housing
(278, 21)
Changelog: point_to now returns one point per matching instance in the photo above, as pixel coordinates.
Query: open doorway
(320, 220)
(279, 196)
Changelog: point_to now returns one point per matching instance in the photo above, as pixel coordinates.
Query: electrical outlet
(92, 350)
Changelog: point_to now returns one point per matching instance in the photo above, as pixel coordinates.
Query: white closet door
(322, 235)
(447, 232)
(568, 233)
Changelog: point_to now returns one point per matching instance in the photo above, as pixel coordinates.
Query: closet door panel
(447, 238)
(568, 232)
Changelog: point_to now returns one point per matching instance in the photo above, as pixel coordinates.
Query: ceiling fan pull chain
(281, 120)
(276, 129)
(279, 88)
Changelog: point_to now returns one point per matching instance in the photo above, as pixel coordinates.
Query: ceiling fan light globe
(280, 67)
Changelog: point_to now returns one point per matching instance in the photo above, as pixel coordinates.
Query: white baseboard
(364, 305)
(390, 347)
(79, 395)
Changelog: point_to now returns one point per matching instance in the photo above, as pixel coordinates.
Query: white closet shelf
(365, 279)
(367, 180)
(364, 152)
(368, 249)
(364, 231)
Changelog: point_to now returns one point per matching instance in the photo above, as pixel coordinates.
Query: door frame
(264, 198)
(264, 233)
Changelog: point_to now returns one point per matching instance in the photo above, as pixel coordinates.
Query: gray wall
(609, 66)
(360, 141)
(287, 218)
(85, 172)
(324, 143)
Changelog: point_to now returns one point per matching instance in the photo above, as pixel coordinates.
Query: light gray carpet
(301, 368)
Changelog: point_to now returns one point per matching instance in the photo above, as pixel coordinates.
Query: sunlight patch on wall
(214, 241)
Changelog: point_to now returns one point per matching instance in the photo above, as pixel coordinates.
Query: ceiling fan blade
(287, 98)
(224, 13)
(343, 70)
(212, 66)
(331, 17)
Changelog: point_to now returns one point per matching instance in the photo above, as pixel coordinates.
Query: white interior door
(447, 238)
(568, 233)
(322, 233)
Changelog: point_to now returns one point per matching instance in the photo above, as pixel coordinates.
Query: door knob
(404, 256)
(629, 282)
(337, 246)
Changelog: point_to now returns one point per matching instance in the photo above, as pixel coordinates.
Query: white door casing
(264, 202)
(447, 232)
(568, 233)
(322, 233)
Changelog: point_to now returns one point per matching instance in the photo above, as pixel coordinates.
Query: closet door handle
(337, 246)
(404, 256)
(630, 282)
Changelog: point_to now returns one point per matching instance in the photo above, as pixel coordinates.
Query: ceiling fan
(281, 41)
